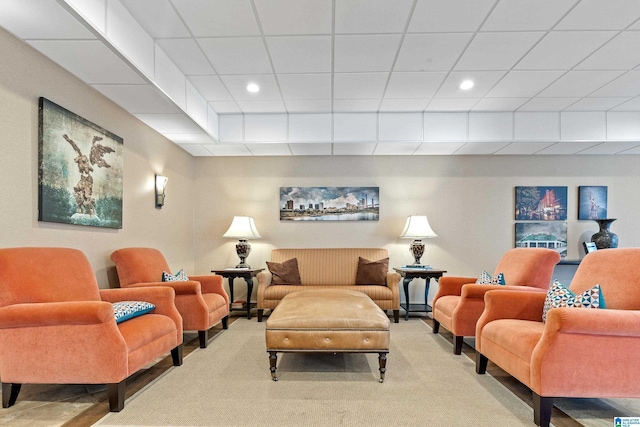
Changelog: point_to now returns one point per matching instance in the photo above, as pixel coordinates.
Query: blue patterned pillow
(561, 296)
(486, 279)
(179, 277)
(125, 310)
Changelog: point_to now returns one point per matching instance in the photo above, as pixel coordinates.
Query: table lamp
(242, 228)
(417, 227)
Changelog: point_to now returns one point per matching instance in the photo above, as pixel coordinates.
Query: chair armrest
(211, 284)
(181, 287)
(264, 281)
(163, 297)
(599, 322)
(450, 285)
(393, 283)
(476, 290)
(55, 313)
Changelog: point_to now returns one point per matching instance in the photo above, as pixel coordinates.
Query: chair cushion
(180, 276)
(125, 310)
(285, 273)
(561, 296)
(372, 272)
(486, 279)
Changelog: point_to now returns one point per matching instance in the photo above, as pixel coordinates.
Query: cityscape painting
(551, 235)
(592, 202)
(541, 203)
(329, 203)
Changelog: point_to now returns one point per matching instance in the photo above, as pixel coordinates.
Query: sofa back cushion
(33, 275)
(528, 267)
(328, 266)
(617, 271)
(139, 265)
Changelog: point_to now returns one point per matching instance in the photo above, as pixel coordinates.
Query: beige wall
(469, 201)
(25, 75)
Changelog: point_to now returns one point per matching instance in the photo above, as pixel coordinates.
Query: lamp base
(417, 250)
(243, 248)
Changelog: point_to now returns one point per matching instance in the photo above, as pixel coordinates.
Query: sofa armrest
(55, 313)
(211, 284)
(264, 281)
(393, 283)
(450, 285)
(187, 287)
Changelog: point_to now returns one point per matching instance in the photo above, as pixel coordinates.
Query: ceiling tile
(523, 83)
(311, 149)
(305, 86)
(354, 149)
(403, 105)
(157, 17)
(228, 149)
(355, 127)
(548, 104)
(300, 54)
(400, 126)
(438, 148)
(46, 20)
(241, 55)
(206, 18)
(483, 82)
(526, 15)
(445, 126)
(521, 148)
(372, 16)
(195, 150)
(355, 105)
(237, 87)
(611, 147)
(359, 85)
(365, 53)
(631, 105)
(261, 106)
(225, 107)
(578, 83)
(310, 127)
(565, 147)
(431, 52)
(596, 104)
(499, 104)
(210, 87)
(587, 126)
(601, 15)
(265, 127)
(294, 16)
(187, 56)
(414, 85)
(625, 85)
(461, 104)
(170, 123)
(308, 106)
(267, 149)
(536, 126)
(138, 98)
(561, 50)
(396, 148)
(480, 148)
(491, 126)
(449, 16)
(621, 53)
(497, 51)
(189, 138)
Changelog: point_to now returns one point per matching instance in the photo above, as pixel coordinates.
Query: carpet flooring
(229, 384)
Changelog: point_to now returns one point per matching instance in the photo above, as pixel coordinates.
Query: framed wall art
(551, 235)
(541, 203)
(80, 169)
(592, 202)
(329, 203)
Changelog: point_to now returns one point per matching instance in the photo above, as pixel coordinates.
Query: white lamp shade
(242, 227)
(417, 227)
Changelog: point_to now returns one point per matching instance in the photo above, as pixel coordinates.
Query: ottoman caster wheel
(275, 378)
(381, 380)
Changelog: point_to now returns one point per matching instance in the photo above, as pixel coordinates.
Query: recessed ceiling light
(466, 85)
(253, 88)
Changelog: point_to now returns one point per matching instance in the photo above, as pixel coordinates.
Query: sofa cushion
(180, 276)
(285, 273)
(486, 279)
(372, 272)
(561, 296)
(125, 310)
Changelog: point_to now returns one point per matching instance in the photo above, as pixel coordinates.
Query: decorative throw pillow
(561, 296)
(285, 273)
(179, 277)
(486, 279)
(125, 310)
(372, 272)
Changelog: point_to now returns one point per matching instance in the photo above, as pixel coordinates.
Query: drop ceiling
(356, 77)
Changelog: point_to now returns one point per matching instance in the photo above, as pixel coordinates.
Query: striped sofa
(329, 268)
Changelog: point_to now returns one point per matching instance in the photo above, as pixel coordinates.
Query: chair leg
(481, 363)
(225, 322)
(115, 391)
(203, 337)
(10, 393)
(260, 313)
(542, 407)
(396, 316)
(436, 326)
(176, 355)
(457, 348)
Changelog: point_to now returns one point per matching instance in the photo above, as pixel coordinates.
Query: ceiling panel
(359, 53)
(413, 85)
(157, 17)
(300, 54)
(372, 16)
(449, 16)
(187, 56)
(305, 86)
(241, 55)
(431, 52)
(359, 85)
(41, 20)
(523, 83)
(210, 87)
(294, 16)
(601, 15)
(218, 18)
(497, 51)
(527, 15)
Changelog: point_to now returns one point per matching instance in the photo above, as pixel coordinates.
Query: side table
(241, 273)
(408, 274)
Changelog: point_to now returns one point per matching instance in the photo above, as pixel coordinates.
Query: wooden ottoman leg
(273, 358)
(382, 361)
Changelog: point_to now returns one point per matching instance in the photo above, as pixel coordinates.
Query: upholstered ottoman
(327, 321)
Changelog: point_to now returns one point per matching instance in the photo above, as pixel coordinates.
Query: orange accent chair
(578, 352)
(58, 327)
(202, 300)
(459, 301)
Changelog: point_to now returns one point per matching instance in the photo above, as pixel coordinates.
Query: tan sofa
(329, 268)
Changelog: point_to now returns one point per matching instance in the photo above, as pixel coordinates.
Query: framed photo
(592, 202)
(589, 247)
(552, 235)
(80, 169)
(541, 203)
(329, 203)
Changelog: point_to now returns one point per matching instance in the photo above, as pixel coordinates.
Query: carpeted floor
(229, 384)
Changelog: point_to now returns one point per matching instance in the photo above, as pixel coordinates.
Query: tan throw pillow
(286, 273)
(372, 272)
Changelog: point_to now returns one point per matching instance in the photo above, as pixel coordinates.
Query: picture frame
(589, 247)
(329, 203)
(543, 234)
(80, 170)
(592, 202)
(541, 203)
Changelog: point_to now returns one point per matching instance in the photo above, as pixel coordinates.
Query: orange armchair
(578, 352)
(202, 300)
(57, 327)
(459, 301)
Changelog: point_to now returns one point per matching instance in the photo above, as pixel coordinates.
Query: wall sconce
(242, 228)
(417, 227)
(161, 184)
